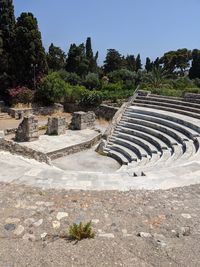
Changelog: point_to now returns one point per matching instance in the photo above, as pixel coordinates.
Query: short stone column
(83, 120)
(28, 130)
(56, 126)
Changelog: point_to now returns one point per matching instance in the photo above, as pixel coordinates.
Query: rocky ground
(135, 228)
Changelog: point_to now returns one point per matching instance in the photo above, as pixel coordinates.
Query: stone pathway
(135, 228)
(19, 170)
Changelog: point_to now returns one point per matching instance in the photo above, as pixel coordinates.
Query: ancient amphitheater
(155, 139)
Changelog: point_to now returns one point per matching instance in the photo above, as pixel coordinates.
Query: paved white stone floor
(87, 160)
(47, 143)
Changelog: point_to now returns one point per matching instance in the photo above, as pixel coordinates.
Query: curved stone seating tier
(156, 133)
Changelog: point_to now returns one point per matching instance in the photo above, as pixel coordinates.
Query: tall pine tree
(30, 57)
(92, 60)
(148, 65)
(131, 63)
(194, 71)
(138, 63)
(7, 32)
(55, 58)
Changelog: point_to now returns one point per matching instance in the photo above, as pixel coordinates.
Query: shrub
(90, 98)
(122, 75)
(73, 93)
(92, 81)
(20, 95)
(81, 231)
(114, 87)
(52, 89)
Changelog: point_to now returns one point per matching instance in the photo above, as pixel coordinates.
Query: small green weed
(81, 231)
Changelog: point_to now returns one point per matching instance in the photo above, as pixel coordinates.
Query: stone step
(177, 118)
(128, 153)
(178, 136)
(139, 150)
(177, 102)
(158, 143)
(174, 110)
(119, 157)
(167, 104)
(148, 146)
(188, 132)
(170, 141)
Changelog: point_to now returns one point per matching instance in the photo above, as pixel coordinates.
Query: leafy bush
(92, 81)
(73, 93)
(90, 98)
(122, 75)
(52, 89)
(112, 87)
(20, 95)
(81, 231)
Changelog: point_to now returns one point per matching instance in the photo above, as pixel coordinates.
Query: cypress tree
(92, 60)
(76, 60)
(113, 61)
(138, 63)
(7, 32)
(148, 65)
(55, 58)
(30, 57)
(194, 71)
(131, 63)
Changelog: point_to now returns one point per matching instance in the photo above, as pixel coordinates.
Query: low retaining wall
(15, 148)
(103, 111)
(19, 113)
(74, 148)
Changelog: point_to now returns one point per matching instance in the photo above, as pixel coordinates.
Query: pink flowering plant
(20, 94)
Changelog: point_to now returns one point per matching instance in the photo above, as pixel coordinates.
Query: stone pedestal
(27, 130)
(83, 120)
(56, 126)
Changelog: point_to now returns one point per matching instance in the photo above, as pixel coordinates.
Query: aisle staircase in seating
(156, 132)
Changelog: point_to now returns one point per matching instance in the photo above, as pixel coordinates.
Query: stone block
(56, 125)
(83, 120)
(27, 130)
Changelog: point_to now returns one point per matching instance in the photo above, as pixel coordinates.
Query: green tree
(138, 63)
(148, 65)
(178, 60)
(52, 89)
(113, 61)
(7, 34)
(55, 58)
(130, 62)
(156, 78)
(76, 60)
(194, 71)
(92, 60)
(30, 57)
(92, 81)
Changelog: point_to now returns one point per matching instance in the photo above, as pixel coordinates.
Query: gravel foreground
(135, 228)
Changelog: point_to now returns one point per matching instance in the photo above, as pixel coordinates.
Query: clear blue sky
(148, 27)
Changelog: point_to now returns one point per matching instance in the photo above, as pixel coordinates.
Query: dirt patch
(136, 228)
